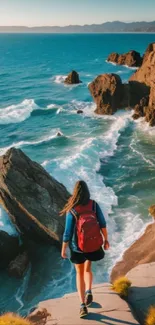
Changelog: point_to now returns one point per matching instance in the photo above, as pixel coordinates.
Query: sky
(66, 12)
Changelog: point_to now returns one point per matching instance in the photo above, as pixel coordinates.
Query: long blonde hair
(81, 195)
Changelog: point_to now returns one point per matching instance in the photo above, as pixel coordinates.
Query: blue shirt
(70, 228)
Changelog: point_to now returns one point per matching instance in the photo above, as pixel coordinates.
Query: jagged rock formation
(31, 197)
(146, 76)
(149, 49)
(107, 91)
(72, 78)
(110, 94)
(141, 252)
(131, 59)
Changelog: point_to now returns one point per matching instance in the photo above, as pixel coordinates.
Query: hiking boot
(83, 311)
(88, 298)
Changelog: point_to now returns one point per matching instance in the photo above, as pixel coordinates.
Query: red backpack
(88, 229)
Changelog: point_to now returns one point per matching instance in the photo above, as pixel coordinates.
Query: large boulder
(31, 197)
(107, 91)
(145, 78)
(72, 78)
(141, 252)
(131, 59)
(9, 248)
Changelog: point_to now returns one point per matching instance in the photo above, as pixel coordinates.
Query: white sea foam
(144, 127)
(133, 146)
(123, 65)
(21, 144)
(109, 62)
(59, 79)
(53, 106)
(122, 71)
(57, 107)
(111, 137)
(17, 113)
(134, 227)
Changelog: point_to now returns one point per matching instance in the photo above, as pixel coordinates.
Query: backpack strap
(75, 214)
(94, 206)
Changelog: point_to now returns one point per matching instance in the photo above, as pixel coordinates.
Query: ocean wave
(144, 127)
(134, 227)
(21, 144)
(17, 113)
(87, 107)
(121, 121)
(59, 79)
(134, 147)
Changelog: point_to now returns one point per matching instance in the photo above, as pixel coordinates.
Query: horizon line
(63, 26)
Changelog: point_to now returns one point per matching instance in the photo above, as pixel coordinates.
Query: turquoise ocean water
(114, 155)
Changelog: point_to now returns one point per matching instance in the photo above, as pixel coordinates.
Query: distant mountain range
(108, 27)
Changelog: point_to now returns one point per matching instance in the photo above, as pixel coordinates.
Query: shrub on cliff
(12, 319)
(150, 319)
(121, 286)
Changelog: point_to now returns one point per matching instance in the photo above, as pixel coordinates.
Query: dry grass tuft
(150, 318)
(121, 286)
(13, 319)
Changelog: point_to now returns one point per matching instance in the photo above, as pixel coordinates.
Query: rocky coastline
(33, 199)
(131, 59)
(110, 94)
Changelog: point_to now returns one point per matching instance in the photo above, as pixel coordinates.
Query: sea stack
(107, 91)
(131, 59)
(72, 78)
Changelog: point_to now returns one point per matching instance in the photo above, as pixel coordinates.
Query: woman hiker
(85, 233)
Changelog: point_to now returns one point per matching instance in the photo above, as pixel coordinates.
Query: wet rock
(9, 248)
(131, 59)
(150, 115)
(107, 91)
(79, 111)
(139, 109)
(19, 265)
(72, 78)
(32, 197)
(59, 134)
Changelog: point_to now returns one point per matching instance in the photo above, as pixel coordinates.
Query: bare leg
(88, 275)
(80, 281)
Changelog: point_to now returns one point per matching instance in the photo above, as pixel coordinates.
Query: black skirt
(80, 258)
